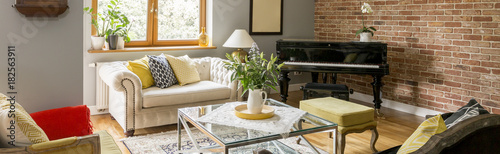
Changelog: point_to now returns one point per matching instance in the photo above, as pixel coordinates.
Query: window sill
(145, 49)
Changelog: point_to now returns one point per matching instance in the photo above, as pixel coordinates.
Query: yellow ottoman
(350, 117)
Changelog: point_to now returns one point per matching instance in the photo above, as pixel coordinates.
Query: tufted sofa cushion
(190, 93)
(218, 73)
(203, 67)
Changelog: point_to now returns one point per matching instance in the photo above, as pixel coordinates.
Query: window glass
(178, 19)
(137, 13)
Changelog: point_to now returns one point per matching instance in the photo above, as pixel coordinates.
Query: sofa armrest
(219, 74)
(115, 73)
(76, 145)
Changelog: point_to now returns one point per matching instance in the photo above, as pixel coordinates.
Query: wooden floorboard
(393, 130)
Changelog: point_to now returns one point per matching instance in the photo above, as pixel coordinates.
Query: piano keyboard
(331, 64)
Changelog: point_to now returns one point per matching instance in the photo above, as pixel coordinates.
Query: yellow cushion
(108, 144)
(26, 130)
(342, 112)
(184, 69)
(429, 127)
(141, 68)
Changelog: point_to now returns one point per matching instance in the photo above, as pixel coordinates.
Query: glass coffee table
(231, 139)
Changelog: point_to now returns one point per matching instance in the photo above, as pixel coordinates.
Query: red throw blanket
(64, 122)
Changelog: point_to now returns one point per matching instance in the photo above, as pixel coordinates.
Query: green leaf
(359, 32)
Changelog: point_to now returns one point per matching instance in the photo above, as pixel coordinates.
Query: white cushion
(203, 67)
(190, 93)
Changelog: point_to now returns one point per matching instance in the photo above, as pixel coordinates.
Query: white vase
(365, 37)
(255, 101)
(97, 42)
(121, 43)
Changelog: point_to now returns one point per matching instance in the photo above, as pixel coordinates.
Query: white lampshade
(239, 39)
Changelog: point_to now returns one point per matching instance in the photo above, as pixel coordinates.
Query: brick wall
(441, 53)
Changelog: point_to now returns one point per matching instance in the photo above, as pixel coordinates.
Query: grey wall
(49, 60)
(228, 15)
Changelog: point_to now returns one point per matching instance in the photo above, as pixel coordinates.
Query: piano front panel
(333, 52)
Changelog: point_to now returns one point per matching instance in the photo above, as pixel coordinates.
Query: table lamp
(239, 39)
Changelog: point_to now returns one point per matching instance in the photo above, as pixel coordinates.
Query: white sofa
(136, 108)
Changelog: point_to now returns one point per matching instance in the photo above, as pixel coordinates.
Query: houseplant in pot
(365, 33)
(254, 76)
(116, 22)
(123, 36)
(97, 40)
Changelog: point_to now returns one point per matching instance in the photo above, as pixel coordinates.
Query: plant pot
(255, 101)
(365, 37)
(113, 41)
(121, 43)
(97, 42)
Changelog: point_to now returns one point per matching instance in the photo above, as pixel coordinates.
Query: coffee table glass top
(235, 136)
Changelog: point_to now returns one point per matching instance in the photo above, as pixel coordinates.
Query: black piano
(314, 56)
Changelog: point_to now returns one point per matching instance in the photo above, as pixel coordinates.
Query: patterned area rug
(166, 142)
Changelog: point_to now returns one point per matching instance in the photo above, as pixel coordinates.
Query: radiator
(101, 90)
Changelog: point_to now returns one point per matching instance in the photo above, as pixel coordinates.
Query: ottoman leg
(374, 139)
(341, 143)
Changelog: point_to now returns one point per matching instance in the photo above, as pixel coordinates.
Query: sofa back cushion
(184, 69)
(140, 67)
(218, 73)
(203, 67)
(161, 71)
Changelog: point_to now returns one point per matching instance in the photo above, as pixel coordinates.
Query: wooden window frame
(152, 28)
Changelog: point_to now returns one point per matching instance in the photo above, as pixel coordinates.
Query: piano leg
(283, 81)
(325, 75)
(334, 78)
(377, 94)
(314, 77)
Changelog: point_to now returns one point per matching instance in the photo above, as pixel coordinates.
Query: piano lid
(324, 41)
(331, 52)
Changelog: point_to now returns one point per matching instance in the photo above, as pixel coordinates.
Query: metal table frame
(297, 131)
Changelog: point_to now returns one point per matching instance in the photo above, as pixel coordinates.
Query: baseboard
(419, 111)
(94, 111)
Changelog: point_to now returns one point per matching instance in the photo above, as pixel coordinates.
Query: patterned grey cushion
(161, 71)
(473, 108)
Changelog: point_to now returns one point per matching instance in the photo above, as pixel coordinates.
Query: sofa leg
(129, 133)
(112, 118)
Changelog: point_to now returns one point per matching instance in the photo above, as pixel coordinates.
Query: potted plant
(116, 22)
(365, 33)
(123, 36)
(254, 75)
(97, 40)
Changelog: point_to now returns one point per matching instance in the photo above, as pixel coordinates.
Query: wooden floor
(393, 129)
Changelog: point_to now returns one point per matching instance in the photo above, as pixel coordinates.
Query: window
(161, 22)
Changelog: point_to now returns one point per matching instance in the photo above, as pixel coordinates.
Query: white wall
(48, 61)
(228, 15)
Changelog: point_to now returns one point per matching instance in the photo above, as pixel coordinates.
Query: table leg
(179, 127)
(334, 132)
(301, 137)
(188, 131)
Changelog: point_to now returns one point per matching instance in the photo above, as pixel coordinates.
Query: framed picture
(266, 17)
